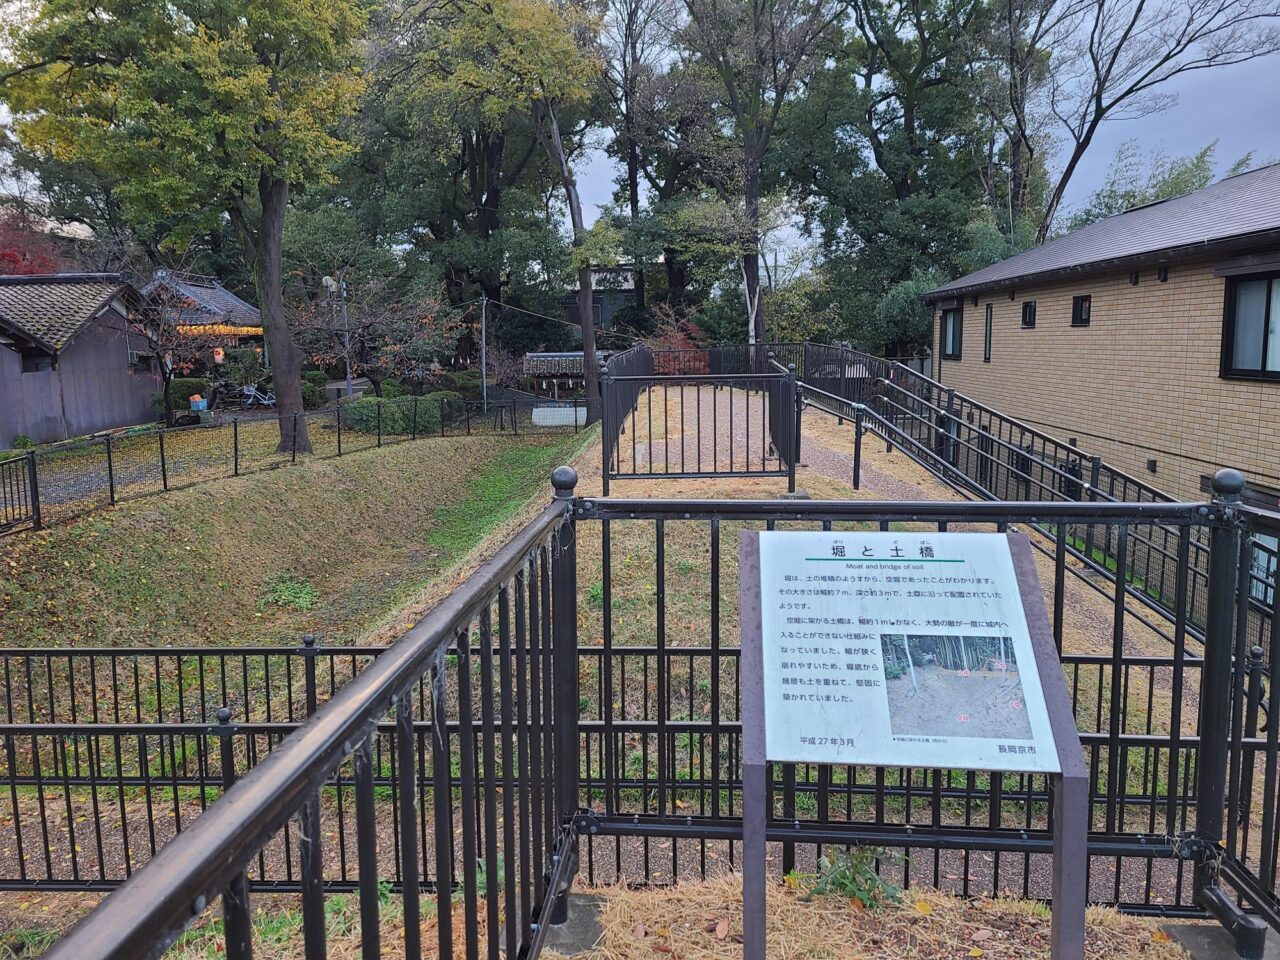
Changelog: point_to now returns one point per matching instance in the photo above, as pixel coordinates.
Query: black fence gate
(19, 493)
(720, 412)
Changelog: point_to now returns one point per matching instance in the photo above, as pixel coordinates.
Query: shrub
(23, 442)
(393, 390)
(464, 382)
(316, 378)
(181, 389)
(398, 417)
(312, 396)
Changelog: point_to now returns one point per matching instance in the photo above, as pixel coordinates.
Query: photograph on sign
(899, 648)
(955, 685)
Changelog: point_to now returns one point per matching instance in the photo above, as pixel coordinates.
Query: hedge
(398, 414)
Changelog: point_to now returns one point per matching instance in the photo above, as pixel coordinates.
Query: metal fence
(445, 767)
(58, 483)
(19, 494)
(527, 744)
(981, 452)
(718, 412)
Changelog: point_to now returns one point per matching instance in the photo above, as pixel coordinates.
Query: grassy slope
(358, 536)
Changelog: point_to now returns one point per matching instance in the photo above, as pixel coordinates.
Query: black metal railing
(981, 452)
(19, 494)
(483, 790)
(524, 742)
(60, 482)
(734, 415)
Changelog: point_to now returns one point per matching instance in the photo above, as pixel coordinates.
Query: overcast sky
(1238, 106)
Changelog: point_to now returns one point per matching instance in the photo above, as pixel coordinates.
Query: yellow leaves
(1159, 936)
(976, 951)
(924, 907)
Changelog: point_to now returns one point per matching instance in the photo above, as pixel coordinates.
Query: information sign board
(899, 648)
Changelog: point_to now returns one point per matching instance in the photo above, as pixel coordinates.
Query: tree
(24, 247)
(179, 348)
(879, 158)
(532, 58)
(1113, 59)
(200, 115)
(1135, 178)
(634, 50)
(383, 337)
(761, 51)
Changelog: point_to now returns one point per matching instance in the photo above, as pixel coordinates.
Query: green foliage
(854, 875)
(187, 104)
(393, 389)
(902, 316)
(1136, 178)
(285, 589)
(317, 378)
(23, 442)
(312, 396)
(180, 391)
(243, 366)
(404, 416)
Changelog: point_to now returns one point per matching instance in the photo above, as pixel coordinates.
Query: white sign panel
(902, 649)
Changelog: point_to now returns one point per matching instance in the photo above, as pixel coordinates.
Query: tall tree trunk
(553, 144)
(633, 197)
(751, 253)
(286, 358)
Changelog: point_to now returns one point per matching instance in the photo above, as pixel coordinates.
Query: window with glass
(951, 333)
(1251, 330)
(1028, 314)
(1081, 309)
(986, 338)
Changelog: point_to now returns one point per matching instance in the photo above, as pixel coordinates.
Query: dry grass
(687, 922)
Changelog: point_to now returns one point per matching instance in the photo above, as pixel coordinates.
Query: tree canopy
(784, 168)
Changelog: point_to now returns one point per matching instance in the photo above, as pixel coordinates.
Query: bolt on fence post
(33, 487)
(1216, 677)
(309, 652)
(235, 446)
(293, 443)
(164, 464)
(235, 898)
(857, 448)
(564, 573)
(111, 472)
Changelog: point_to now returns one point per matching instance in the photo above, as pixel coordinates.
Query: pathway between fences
(58, 483)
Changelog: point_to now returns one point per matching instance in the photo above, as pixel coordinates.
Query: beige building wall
(1139, 383)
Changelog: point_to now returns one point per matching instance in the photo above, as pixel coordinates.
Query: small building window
(1081, 307)
(951, 333)
(1251, 328)
(1028, 314)
(986, 338)
(36, 361)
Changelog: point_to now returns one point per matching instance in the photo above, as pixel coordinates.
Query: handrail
(154, 906)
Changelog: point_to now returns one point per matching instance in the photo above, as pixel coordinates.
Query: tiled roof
(206, 300)
(1238, 207)
(51, 309)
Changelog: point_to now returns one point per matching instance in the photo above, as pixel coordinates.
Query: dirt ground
(946, 704)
